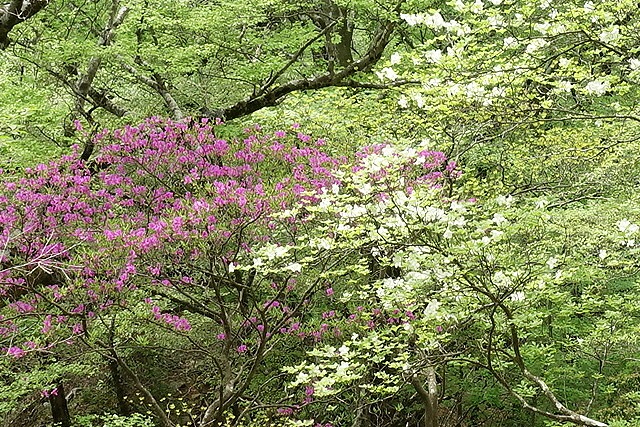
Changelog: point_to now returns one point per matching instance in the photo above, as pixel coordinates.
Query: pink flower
(16, 352)
(285, 411)
(242, 348)
(329, 292)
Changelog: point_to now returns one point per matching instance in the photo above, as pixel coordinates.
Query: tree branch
(16, 12)
(84, 82)
(156, 83)
(272, 79)
(371, 85)
(273, 95)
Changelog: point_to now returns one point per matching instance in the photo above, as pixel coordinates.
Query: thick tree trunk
(344, 53)
(59, 408)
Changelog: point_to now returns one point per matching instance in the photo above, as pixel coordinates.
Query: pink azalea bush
(162, 229)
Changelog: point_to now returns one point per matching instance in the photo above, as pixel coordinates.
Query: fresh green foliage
(467, 257)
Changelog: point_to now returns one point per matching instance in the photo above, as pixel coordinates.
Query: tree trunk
(118, 387)
(432, 390)
(429, 397)
(343, 51)
(59, 408)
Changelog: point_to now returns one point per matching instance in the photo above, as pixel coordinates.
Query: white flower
(419, 100)
(325, 203)
(495, 22)
(433, 56)
(510, 41)
(232, 267)
(435, 21)
(501, 280)
(272, 252)
(542, 28)
(343, 350)
(627, 227)
(431, 83)
(498, 219)
(634, 63)
(477, 7)
(432, 309)
(518, 19)
(610, 36)
(475, 91)
(301, 378)
(552, 262)
(403, 102)
(454, 89)
(589, 7)
(365, 188)
(395, 58)
(457, 206)
(602, 254)
(412, 19)
(460, 222)
(447, 234)
(388, 150)
(387, 73)
(564, 86)
(564, 62)
(354, 211)
(517, 296)
(498, 92)
(295, 267)
(535, 45)
(597, 87)
(454, 52)
(504, 200)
